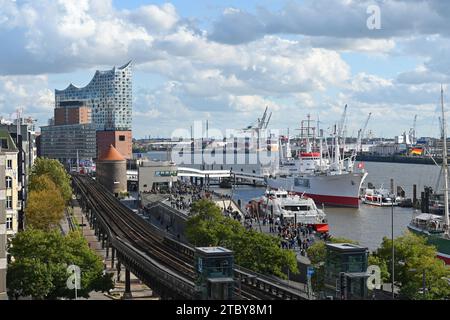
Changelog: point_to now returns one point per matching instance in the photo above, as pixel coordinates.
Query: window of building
(8, 182)
(9, 164)
(121, 138)
(9, 223)
(8, 202)
(4, 143)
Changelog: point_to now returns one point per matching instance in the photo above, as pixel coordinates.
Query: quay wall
(397, 159)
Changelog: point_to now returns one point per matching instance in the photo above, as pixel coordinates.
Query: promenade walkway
(139, 290)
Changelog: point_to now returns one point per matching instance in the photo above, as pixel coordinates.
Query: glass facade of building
(345, 270)
(109, 94)
(63, 142)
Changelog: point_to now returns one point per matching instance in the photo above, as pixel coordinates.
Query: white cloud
(290, 60)
(30, 93)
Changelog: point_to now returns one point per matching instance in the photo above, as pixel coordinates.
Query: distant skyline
(225, 61)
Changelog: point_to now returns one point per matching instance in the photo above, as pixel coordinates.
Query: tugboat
(291, 207)
(434, 227)
(379, 197)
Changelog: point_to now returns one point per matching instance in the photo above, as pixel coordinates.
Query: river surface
(368, 224)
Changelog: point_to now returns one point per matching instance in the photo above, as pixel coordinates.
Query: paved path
(139, 290)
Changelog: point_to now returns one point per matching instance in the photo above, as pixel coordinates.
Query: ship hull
(442, 245)
(332, 190)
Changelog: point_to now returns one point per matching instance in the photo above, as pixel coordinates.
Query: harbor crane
(412, 131)
(261, 123)
(361, 133)
(341, 123)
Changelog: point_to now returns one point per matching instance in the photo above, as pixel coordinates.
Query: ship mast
(445, 164)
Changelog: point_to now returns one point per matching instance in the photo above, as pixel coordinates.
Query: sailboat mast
(444, 163)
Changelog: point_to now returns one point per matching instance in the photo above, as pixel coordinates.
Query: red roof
(111, 155)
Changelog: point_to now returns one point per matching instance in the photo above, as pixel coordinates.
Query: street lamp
(393, 250)
(424, 283)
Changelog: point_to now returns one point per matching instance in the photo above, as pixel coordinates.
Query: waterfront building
(72, 112)
(346, 271)
(387, 149)
(154, 175)
(109, 96)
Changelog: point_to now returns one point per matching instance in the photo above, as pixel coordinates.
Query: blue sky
(225, 61)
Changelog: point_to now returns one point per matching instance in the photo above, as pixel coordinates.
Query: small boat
(379, 197)
(290, 207)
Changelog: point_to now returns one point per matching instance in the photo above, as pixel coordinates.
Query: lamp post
(424, 281)
(393, 250)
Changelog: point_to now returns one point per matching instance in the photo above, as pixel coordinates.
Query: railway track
(127, 225)
(173, 255)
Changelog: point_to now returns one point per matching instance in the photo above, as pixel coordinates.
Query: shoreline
(398, 159)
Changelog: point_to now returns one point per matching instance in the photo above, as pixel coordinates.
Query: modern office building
(109, 97)
(67, 143)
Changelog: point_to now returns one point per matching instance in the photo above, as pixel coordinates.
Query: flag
(417, 151)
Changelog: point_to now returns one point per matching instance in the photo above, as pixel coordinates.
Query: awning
(322, 228)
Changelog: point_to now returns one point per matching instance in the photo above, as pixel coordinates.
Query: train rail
(170, 259)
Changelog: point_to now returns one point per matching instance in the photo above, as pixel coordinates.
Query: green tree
(413, 256)
(253, 250)
(39, 267)
(29, 277)
(45, 205)
(317, 254)
(55, 170)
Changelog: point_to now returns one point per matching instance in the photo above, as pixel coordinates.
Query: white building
(156, 175)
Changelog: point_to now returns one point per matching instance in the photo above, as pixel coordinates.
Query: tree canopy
(45, 205)
(55, 170)
(40, 265)
(413, 257)
(253, 250)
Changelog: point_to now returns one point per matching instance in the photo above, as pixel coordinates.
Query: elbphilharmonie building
(109, 94)
(91, 118)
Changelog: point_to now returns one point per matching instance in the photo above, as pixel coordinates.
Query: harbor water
(367, 224)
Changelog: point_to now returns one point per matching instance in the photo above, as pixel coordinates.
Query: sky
(225, 61)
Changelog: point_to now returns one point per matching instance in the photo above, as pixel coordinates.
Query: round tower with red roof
(112, 171)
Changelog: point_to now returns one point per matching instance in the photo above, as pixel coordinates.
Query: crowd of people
(298, 237)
